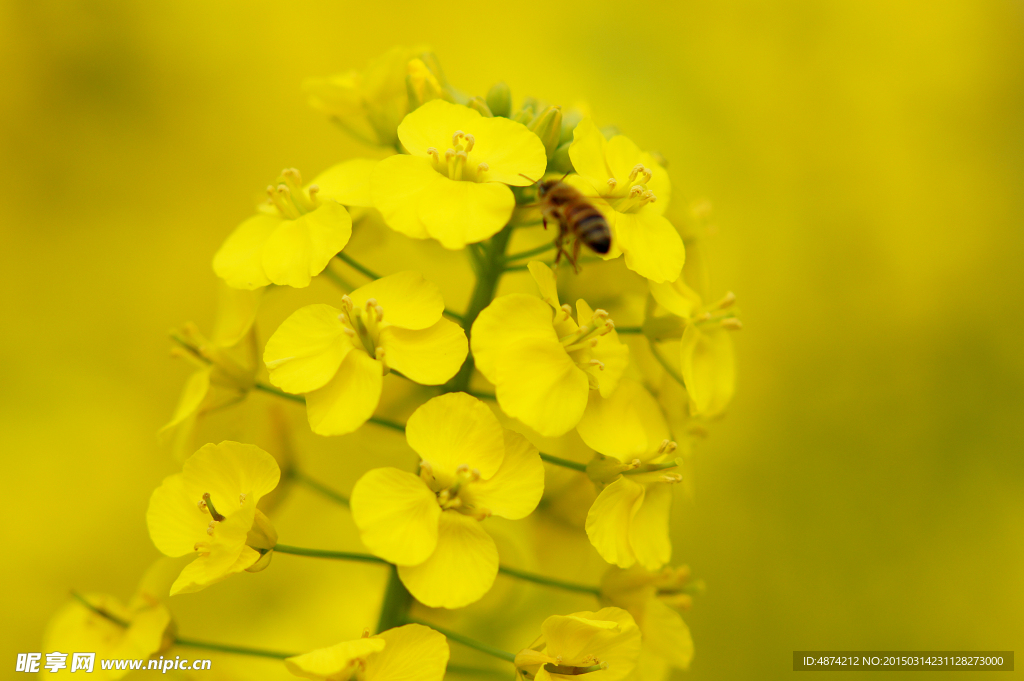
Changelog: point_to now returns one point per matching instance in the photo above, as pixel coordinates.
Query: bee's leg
(576, 256)
(558, 246)
(545, 220)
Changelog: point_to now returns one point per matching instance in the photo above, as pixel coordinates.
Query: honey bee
(576, 217)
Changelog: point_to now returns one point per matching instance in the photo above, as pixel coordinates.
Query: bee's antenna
(532, 181)
(565, 176)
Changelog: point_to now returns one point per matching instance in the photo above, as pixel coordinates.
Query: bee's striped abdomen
(590, 225)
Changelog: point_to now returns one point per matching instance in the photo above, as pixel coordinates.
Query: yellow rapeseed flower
(102, 624)
(633, 191)
(408, 653)
(654, 599)
(428, 525)
(602, 645)
(453, 185)
(338, 358)
(628, 522)
(369, 104)
(544, 364)
(295, 234)
(706, 359)
(209, 509)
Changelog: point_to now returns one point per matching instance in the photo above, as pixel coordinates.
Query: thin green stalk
(354, 264)
(99, 611)
(482, 395)
(237, 650)
(530, 253)
(564, 463)
(664, 362)
(338, 280)
(333, 555)
(397, 601)
(628, 329)
(491, 267)
(387, 423)
(300, 477)
(549, 581)
(454, 315)
(466, 641)
(280, 393)
(651, 468)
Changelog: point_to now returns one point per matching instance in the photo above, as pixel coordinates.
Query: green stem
(300, 477)
(100, 611)
(482, 395)
(489, 274)
(397, 601)
(280, 393)
(530, 253)
(664, 362)
(334, 555)
(237, 650)
(564, 463)
(459, 638)
(549, 581)
(454, 315)
(338, 280)
(354, 264)
(628, 329)
(387, 423)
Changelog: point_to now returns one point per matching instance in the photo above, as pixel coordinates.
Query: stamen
(202, 505)
(637, 169)
(347, 331)
(455, 137)
(611, 183)
(470, 141)
(432, 151)
(567, 309)
(667, 447)
(313, 189)
(672, 478)
(213, 509)
(727, 300)
(597, 363)
(241, 498)
(609, 326)
(482, 167)
(635, 191)
(292, 175)
(732, 324)
(462, 468)
(209, 528)
(448, 154)
(346, 302)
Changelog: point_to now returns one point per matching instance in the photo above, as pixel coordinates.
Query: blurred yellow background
(865, 163)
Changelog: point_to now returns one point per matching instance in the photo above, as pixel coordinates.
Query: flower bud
(499, 99)
(478, 104)
(547, 125)
(421, 84)
(560, 161)
(570, 119)
(262, 535)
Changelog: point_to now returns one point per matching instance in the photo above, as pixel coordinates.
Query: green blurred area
(865, 163)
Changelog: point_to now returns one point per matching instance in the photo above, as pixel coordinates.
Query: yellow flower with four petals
(338, 358)
(603, 645)
(209, 510)
(428, 525)
(411, 652)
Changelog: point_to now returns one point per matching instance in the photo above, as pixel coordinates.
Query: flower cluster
(463, 358)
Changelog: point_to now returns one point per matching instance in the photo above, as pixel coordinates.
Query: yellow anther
(347, 331)
(635, 191)
(241, 498)
(456, 136)
(637, 169)
(202, 505)
(346, 302)
(461, 154)
(448, 154)
(597, 363)
(482, 167)
(726, 301)
(470, 141)
(635, 463)
(313, 189)
(432, 151)
(211, 526)
(366, 633)
(672, 478)
(612, 182)
(567, 309)
(609, 326)
(667, 447)
(462, 468)
(732, 324)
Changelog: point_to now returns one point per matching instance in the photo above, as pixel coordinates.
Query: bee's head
(546, 186)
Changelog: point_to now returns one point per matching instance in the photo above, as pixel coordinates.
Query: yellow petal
(587, 153)
(460, 213)
(347, 183)
(609, 520)
(676, 297)
(627, 425)
(510, 151)
(174, 521)
(610, 635)
(434, 123)
(337, 661)
(609, 350)
(300, 249)
(648, 531)
(454, 429)
(539, 384)
(429, 356)
(227, 552)
(708, 369)
(201, 573)
(623, 155)
(196, 388)
(413, 653)
(307, 349)
(228, 470)
(348, 399)
(239, 261)
(514, 491)
(396, 185)
(505, 321)
(408, 300)
(665, 634)
(397, 515)
(463, 549)
(236, 311)
(652, 246)
(547, 282)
